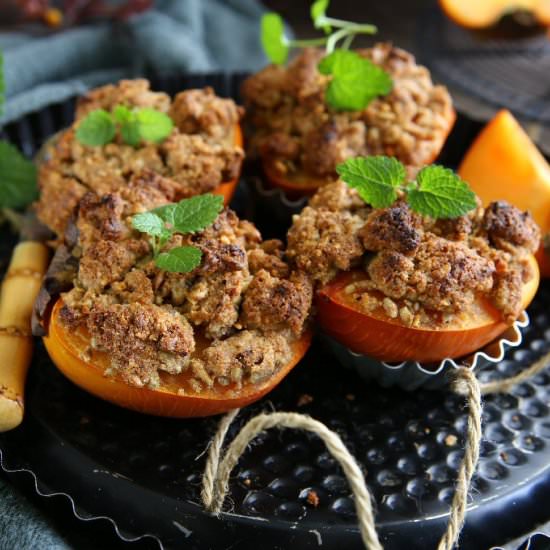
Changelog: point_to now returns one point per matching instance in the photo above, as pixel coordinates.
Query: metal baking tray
(142, 474)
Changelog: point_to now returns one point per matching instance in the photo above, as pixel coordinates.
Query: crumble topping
(232, 320)
(294, 129)
(194, 159)
(416, 268)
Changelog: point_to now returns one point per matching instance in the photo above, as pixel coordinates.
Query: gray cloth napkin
(22, 526)
(176, 36)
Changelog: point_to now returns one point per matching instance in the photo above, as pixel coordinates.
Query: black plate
(144, 473)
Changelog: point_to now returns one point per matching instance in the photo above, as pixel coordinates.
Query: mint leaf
(179, 260)
(149, 223)
(196, 213)
(166, 212)
(122, 114)
(130, 132)
(97, 128)
(2, 85)
(441, 194)
(318, 12)
(274, 41)
(355, 82)
(17, 178)
(375, 178)
(153, 125)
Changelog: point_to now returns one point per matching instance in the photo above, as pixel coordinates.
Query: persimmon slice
(474, 14)
(379, 336)
(227, 188)
(69, 350)
(504, 164)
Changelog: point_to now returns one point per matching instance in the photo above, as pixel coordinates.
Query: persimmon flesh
(377, 335)
(70, 352)
(474, 14)
(504, 164)
(227, 189)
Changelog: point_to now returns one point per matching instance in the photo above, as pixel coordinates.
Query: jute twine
(215, 482)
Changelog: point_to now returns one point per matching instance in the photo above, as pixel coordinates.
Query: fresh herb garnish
(17, 174)
(17, 178)
(437, 191)
(2, 85)
(97, 128)
(355, 81)
(135, 125)
(187, 216)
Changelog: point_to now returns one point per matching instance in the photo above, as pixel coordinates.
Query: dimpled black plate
(144, 473)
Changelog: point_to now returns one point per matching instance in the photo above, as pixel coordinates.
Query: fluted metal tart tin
(272, 206)
(410, 375)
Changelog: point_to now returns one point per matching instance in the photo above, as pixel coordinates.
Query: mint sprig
(17, 174)
(437, 191)
(355, 80)
(97, 128)
(17, 178)
(187, 216)
(135, 125)
(2, 84)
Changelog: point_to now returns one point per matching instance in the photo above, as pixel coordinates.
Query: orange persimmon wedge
(476, 14)
(381, 337)
(69, 351)
(504, 164)
(227, 188)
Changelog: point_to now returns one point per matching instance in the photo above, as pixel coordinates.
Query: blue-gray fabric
(176, 36)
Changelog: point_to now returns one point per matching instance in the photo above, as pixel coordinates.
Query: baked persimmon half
(503, 163)
(299, 136)
(70, 351)
(388, 339)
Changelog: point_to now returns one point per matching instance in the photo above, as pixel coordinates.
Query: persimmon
(299, 183)
(69, 350)
(504, 164)
(474, 14)
(227, 189)
(377, 335)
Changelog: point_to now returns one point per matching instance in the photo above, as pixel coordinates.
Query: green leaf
(17, 178)
(441, 194)
(97, 128)
(318, 12)
(274, 41)
(2, 85)
(130, 132)
(196, 213)
(150, 223)
(355, 82)
(122, 114)
(153, 125)
(375, 178)
(166, 212)
(179, 260)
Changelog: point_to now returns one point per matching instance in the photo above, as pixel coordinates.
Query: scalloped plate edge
(76, 514)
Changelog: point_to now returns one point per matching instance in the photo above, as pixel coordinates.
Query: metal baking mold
(410, 375)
